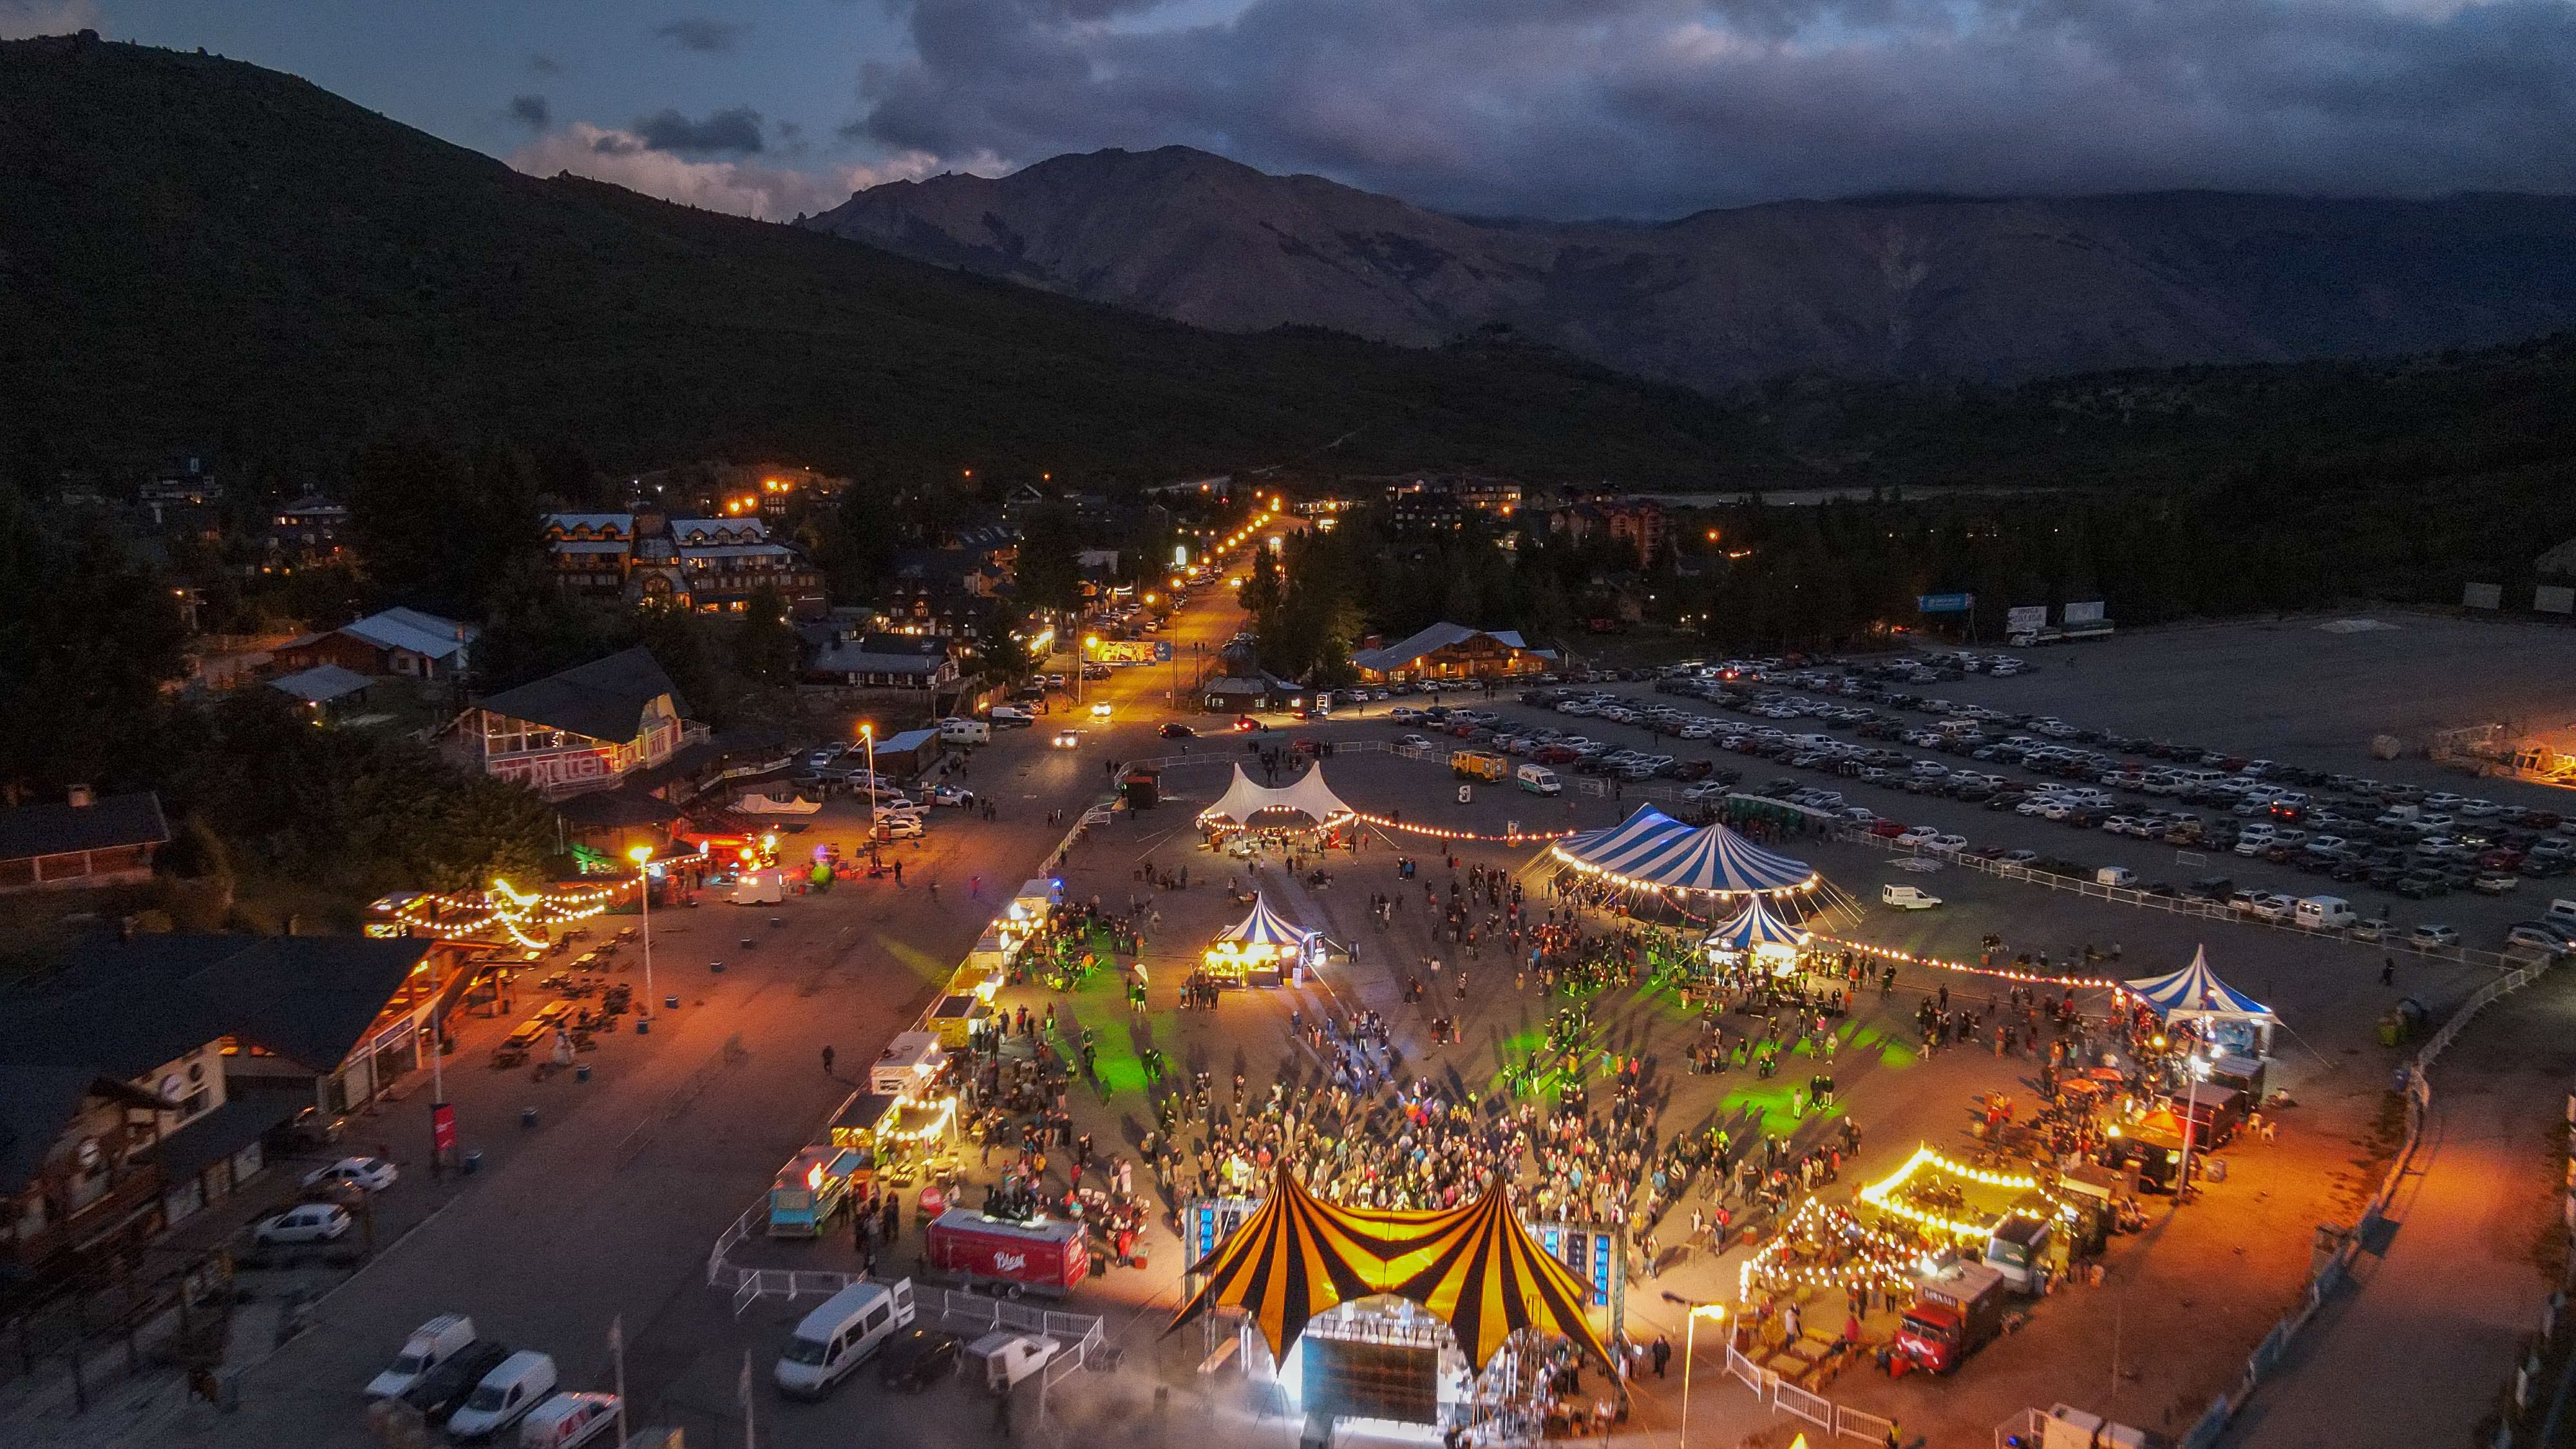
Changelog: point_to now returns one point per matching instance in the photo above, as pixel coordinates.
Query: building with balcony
(1452, 651)
(584, 729)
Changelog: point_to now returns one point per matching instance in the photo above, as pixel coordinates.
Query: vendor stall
(896, 1138)
(908, 1065)
(2195, 998)
(1261, 949)
(961, 1021)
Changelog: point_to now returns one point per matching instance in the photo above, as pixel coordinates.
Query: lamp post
(1716, 1313)
(868, 734)
(642, 855)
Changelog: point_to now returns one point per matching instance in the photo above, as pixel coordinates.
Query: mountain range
(1917, 287)
(198, 254)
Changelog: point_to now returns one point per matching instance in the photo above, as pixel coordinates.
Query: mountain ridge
(1991, 289)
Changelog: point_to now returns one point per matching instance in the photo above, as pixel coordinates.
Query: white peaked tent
(1309, 797)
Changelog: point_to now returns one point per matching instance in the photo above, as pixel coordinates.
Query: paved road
(2414, 1353)
(608, 1205)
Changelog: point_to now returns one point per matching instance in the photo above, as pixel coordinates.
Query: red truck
(1956, 1312)
(1049, 1256)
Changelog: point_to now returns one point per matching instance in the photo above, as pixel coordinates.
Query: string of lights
(1522, 837)
(1585, 867)
(1891, 953)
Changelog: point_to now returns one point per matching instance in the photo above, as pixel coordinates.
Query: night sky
(1631, 108)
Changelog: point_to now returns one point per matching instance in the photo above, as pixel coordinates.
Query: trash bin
(716, 967)
(643, 1026)
(474, 1161)
(671, 1002)
(527, 1116)
(581, 1073)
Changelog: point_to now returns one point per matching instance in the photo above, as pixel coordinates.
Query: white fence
(2179, 905)
(1839, 1420)
(754, 1284)
(2333, 1272)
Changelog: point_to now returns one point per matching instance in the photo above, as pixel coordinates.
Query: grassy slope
(202, 252)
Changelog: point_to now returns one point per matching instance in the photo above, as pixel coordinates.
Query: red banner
(442, 1128)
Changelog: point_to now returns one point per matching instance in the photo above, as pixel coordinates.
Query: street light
(642, 855)
(868, 733)
(1715, 1312)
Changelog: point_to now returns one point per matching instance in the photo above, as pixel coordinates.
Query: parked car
(371, 1173)
(2431, 937)
(1907, 898)
(917, 1358)
(443, 1390)
(1178, 732)
(312, 1222)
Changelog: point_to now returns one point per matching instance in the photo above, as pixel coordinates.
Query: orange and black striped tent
(1474, 1267)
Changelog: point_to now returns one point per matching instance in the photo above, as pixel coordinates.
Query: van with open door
(840, 1335)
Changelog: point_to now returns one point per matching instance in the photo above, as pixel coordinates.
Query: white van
(569, 1420)
(954, 731)
(1006, 716)
(505, 1396)
(1538, 780)
(2118, 876)
(837, 1337)
(431, 1344)
(2562, 912)
(2324, 913)
(1907, 898)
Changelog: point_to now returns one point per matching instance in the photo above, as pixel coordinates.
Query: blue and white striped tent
(2196, 991)
(1651, 848)
(1754, 926)
(1266, 927)
(1622, 848)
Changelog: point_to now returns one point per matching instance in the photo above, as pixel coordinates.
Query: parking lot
(1896, 750)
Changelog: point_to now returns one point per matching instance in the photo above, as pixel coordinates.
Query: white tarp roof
(1310, 797)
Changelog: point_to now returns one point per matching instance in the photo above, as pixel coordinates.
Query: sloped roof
(60, 828)
(1753, 926)
(118, 1010)
(601, 700)
(1438, 636)
(883, 654)
(423, 634)
(320, 684)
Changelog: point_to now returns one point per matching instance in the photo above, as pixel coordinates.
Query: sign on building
(1162, 651)
(2028, 619)
(2482, 596)
(2089, 612)
(2553, 599)
(1946, 603)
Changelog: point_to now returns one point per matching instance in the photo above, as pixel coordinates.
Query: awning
(2196, 991)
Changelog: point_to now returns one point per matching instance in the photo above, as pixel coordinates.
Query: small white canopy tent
(1309, 797)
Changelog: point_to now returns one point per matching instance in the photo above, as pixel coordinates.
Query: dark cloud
(707, 36)
(736, 130)
(531, 111)
(545, 65)
(1657, 107)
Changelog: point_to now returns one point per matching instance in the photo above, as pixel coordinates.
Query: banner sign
(1946, 603)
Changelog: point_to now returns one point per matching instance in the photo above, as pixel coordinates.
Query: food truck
(2152, 1151)
(2018, 1248)
(2243, 1073)
(1957, 1310)
(810, 1188)
(960, 1021)
(1030, 907)
(909, 1064)
(1044, 1255)
(2215, 1112)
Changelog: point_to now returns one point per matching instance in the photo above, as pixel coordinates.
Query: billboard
(2482, 596)
(2553, 599)
(2028, 619)
(1130, 651)
(1946, 603)
(2085, 613)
